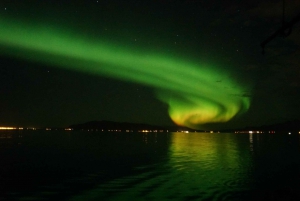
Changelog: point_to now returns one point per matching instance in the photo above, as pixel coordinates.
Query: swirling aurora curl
(195, 95)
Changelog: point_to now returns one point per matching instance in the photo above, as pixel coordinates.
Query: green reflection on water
(198, 166)
(210, 160)
(154, 166)
(200, 147)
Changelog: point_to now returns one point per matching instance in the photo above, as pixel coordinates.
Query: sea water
(82, 165)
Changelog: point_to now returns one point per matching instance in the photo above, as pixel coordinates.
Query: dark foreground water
(56, 165)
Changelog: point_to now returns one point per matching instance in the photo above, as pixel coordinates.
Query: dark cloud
(271, 10)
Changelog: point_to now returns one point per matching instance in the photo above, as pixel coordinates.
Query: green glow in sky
(195, 94)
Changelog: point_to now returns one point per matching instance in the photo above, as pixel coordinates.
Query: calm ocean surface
(59, 165)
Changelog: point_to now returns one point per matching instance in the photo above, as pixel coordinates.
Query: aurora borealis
(192, 91)
(192, 63)
(149, 99)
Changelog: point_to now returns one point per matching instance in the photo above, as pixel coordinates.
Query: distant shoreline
(111, 126)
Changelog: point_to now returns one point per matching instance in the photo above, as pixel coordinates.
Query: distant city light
(8, 128)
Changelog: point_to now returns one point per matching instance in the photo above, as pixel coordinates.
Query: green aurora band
(195, 94)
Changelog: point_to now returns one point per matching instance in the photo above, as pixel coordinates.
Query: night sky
(190, 62)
